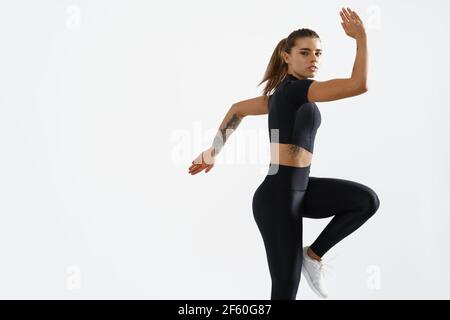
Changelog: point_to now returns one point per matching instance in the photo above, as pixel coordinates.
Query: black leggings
(280, 202)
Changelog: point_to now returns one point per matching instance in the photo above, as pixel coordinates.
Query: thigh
(276, 212)
(326, 197)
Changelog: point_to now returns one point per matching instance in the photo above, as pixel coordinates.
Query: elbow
(237, 111)
(359, 86)
(363, 88)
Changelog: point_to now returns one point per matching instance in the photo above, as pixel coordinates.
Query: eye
(306, 53)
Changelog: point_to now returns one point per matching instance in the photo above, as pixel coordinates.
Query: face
(305, 54)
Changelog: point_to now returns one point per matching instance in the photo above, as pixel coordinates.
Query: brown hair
(277, 68)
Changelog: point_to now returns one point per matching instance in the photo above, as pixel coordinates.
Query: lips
(313, 68)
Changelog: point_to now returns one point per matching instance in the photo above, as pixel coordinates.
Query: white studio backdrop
(104, 104)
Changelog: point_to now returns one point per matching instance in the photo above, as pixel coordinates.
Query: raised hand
(352, 23)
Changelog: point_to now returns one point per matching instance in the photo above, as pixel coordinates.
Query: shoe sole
(310, 283)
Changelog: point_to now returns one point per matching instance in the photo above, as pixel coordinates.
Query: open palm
(204, 161)
(352, 23)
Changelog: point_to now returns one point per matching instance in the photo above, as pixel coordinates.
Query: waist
(289, 177)
(289, 155)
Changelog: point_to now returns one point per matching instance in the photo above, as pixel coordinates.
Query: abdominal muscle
(289, 155)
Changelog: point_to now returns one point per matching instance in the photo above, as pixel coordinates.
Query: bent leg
(351, 203)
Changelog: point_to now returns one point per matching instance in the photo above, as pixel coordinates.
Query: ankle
(312, 255)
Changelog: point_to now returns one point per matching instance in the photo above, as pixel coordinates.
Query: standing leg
(276, 213)
(350, 202)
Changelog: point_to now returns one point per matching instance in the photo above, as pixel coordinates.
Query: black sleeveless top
(292, 118)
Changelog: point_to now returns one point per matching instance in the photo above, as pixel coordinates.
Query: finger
(351, 15)
(196, 170)
(346, 14)
(193, 169)
(344, 18)
(345, 28)
(201, 167)
(193, 166)
(357, 17)
(200, 170)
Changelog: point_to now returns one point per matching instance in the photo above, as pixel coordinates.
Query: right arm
(232, 119)
(228, 125)
(335, 89)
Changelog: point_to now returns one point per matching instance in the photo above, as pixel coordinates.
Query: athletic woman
(288, 193)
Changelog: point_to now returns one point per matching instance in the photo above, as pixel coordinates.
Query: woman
(288, 193)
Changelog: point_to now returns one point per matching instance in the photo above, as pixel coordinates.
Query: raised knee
(372, 202)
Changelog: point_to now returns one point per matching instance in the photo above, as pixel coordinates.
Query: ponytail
(277, 68)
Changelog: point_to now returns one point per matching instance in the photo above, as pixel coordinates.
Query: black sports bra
(292, 118)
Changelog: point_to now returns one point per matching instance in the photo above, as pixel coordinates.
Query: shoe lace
(324, 268)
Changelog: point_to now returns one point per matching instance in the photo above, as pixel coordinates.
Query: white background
(104, 104)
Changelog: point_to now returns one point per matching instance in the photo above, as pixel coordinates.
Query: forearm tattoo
(223, 133)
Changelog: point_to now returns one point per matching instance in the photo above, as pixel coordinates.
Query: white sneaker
(313, 271)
